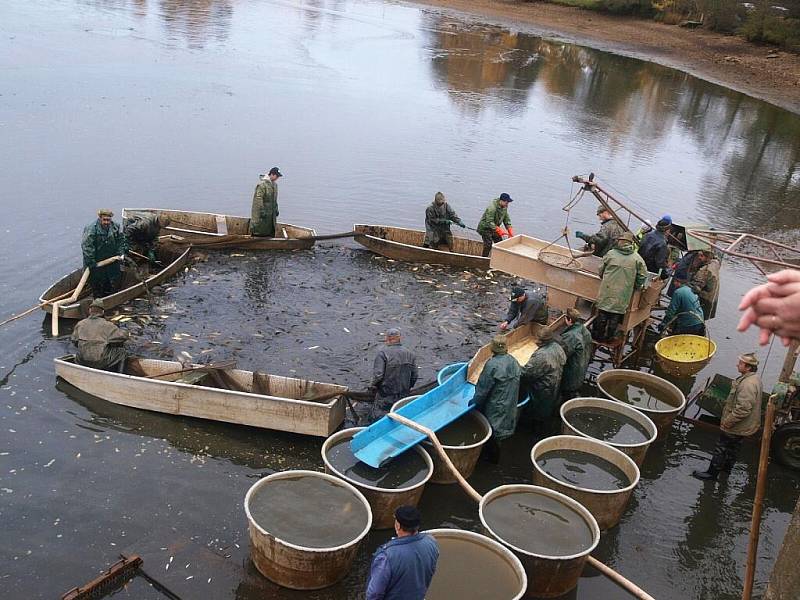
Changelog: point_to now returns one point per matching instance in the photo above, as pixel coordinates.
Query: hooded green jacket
(497, 392)
(577, 344)
(623, 271)
(542, 376)
(265, 209)
(494, 216)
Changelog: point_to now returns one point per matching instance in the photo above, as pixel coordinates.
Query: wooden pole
(758, 501)
(76, 292)
(617, 578)
(788, 362)
(33, 308)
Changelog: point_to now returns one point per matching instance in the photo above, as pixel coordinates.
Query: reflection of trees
(198, 20)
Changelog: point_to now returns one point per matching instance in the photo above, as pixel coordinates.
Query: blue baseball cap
(506, 197)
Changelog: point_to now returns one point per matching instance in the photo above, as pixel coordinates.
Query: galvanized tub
(606, 506)
(457, 578)
(464, 457)
(668, 392)
(382, 501)
(636, 451)
(549, 576)
(299, 567)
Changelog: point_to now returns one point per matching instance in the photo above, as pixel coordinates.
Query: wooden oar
(617, 578)
(76, 292)
(38, 306)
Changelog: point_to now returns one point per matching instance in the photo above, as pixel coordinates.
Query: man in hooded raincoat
(265, 205)
(541, 377)
(438, 217)
(496, 395)
(622, 272)
(576, 341)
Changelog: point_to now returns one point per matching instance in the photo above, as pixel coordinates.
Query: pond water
(369, 108)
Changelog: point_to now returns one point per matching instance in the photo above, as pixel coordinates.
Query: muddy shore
(763, 72)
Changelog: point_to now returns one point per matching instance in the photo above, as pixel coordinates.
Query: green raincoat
(603, 240)
(265, 209)
(143, 231)
(576, 341)
(437, 224)
(496, 394)
(98, 244)
(494, 216)
(741, 414)
(623, 271)
(99, 343)
(542, 377)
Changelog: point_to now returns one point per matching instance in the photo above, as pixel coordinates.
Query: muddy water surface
(369, 108)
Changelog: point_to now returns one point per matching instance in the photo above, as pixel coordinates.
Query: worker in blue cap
(654, 247)
(403, 567)
(494, 218)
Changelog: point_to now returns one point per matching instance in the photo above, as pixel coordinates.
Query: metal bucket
(382, 501)
(299, 567)
(606, 506)
(684, 355)
(669, 393)
(549, 576)
(456, 578)
(636, 451)
(464, 457)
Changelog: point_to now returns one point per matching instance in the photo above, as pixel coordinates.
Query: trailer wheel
(786, 445)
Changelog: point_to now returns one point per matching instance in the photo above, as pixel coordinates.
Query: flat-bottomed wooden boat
(406, 245)
(172, 260)
(249, 398)
(212, 230)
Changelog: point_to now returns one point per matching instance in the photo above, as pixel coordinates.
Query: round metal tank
(464, 457)
(382, 501)
(474, 567)
(668, 392)
(606, 506)
(298, 567)
(636, 451)
(549, 575)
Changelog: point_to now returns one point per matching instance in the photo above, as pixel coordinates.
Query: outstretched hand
(774, 307)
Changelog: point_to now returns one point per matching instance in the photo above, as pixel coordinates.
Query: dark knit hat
(408, 517)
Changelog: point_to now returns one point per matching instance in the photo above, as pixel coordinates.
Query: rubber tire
(786, 445)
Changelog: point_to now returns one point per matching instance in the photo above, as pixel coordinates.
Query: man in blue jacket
(402, 569)
(684, 313)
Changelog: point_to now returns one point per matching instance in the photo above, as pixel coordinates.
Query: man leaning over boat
(142, 231)
(438, 217)
(100, 342)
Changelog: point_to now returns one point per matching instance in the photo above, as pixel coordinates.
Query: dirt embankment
(759, 71)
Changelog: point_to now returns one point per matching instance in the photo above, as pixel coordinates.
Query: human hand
(503, 325)
(774, 307)
(580, 235)
(461, 224)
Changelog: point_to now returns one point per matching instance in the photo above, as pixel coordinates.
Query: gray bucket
(636, 451)
(299, 567)
(606, 506)
(549, 575)
(462, 572)
(669, 393)
(383, 501)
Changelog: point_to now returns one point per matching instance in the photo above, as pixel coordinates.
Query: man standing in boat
(265, 205)
(438, 217)
(576, 341)
(142, 231)
(394, 373)
(100, 342)
(491, 224)
(541, 378)
(103, 239)
(496, 395)
(402, 569)
(602, 241)
(622, 272)
(525, 308)
(741, 417)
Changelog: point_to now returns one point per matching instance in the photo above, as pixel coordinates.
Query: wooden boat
(247, 398)
(406, 245)
(172, 259)
(211, 230)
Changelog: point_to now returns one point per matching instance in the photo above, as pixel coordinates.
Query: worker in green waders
(142, 232)
(541, 378)
(103, 239)
(496, 395)
(265, 205)
(576, 341)
(494, 218)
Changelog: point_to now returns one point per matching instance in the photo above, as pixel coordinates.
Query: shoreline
(725, 60)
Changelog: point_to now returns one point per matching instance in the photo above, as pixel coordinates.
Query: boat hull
(215, 404)
(406, 244)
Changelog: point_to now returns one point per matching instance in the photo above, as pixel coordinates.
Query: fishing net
(556, 259)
